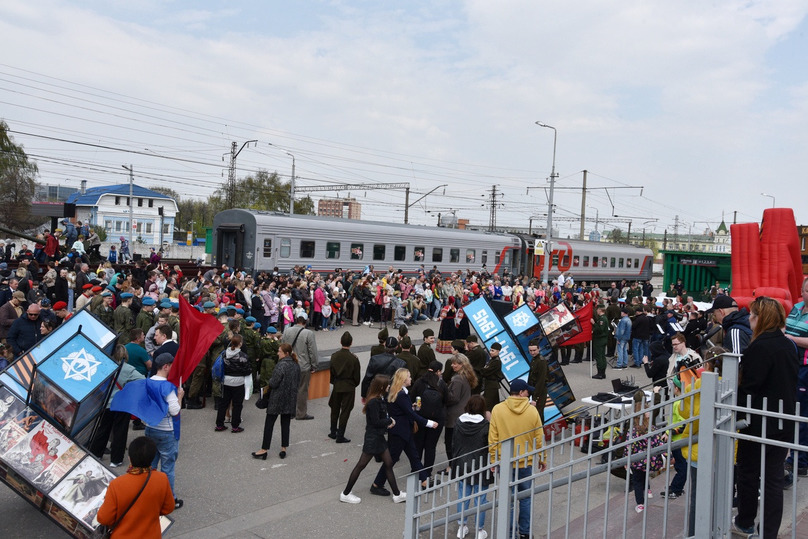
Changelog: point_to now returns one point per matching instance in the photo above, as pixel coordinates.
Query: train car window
(576, 261)
(437, 254)
(586, 261)
(470, 256)
(357, 251)
(603, 262)
(628, 262)
(378, 251)
(332, 249)
(267, 247)
(454, 256)
(619, 262)
(399, 253)
(418, 254)
(565, 260)
(286, 248)
(636, 262)
(505, 258)
(306, 249)
(555, 261)
(485, 258)
(613, 262)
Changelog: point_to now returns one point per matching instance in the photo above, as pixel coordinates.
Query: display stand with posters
(514, 331)
(50, 398)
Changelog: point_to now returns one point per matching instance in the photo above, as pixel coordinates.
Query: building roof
(91, 195)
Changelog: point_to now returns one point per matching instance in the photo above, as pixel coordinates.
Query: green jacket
(600, 329)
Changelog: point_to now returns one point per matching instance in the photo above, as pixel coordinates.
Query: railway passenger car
(263, 240)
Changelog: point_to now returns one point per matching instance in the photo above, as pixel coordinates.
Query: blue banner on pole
(521, 320)
(483, 318)
(514, 364)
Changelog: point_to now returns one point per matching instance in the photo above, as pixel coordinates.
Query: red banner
(197, 333)
(584, 317)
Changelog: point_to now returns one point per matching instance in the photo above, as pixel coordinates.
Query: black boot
(333, 433)
(341, 439)
(194, 404)
(601, 375)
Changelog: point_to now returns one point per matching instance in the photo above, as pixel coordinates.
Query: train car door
(268, 253)
(230, 245)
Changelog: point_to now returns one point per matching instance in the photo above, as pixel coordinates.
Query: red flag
(584, 317)
(197, 333)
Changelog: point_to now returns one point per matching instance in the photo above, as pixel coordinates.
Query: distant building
(53, 193)
(108, 206)
(345, 208)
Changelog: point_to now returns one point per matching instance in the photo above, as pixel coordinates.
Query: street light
(548, 250)
(770, 196)
(292, 187)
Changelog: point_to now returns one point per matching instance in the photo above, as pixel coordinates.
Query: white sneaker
(349, 498)
(402, 497)
(640, 508)
(481, 534)
(462, 531)
(650, 494)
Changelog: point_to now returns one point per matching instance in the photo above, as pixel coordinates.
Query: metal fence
(584, 490)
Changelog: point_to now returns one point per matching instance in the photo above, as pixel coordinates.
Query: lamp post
(770, 196)
(597, 216)
(548, 250)
(131, 206)
(292, 186)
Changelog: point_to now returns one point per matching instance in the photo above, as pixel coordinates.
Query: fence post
(725, 446)
(706, 452)
(410, 525)
(503, 492)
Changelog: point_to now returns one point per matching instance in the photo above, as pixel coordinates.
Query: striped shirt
(797, 325)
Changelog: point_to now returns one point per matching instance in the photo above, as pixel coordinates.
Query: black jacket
(769, 368)
(641, 327)
(470, 447)
(385, 363)
(657, 366)
(737, 332)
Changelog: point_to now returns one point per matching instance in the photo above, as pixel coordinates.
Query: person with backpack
(236, 369)
(431, 390)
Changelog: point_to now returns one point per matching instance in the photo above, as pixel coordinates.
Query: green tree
(17, 183)
(616, 236)
(263, 191)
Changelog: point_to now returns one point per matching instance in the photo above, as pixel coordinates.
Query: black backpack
(431, 404)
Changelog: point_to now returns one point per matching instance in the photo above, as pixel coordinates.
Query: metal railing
(583, 491)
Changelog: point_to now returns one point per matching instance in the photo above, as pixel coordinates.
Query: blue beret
(231, 308)
(257, 325)
(209, 305)
(165, 304)
(271, 329)
(126, 295)
(249, 318)
(240, 311)
(106, 293)
(148, 301)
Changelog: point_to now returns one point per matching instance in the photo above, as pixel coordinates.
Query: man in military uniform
(345, 376)
(408, 356)
(251, 345)
(538, 377)
(377, 349)
(600, 336)
(613, 316)
(477, 358)
(104, 309)
(123, 318)
(426, 354)
(491, 376)
(145, 318)
(270, 344)
(174, 319)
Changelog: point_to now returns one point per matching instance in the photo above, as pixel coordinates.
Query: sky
(682, 113)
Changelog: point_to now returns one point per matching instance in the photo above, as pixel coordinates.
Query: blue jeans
(640, 349)
(466, 490)
(524, 504)
(167, 449)
(622, 353)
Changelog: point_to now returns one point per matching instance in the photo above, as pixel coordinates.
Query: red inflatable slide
(766, 261)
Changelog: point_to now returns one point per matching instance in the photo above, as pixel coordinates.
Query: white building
(108, 206)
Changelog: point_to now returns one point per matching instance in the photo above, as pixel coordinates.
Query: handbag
(263, 401)
(105, 532)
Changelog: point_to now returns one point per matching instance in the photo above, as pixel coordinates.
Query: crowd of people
(267, 344)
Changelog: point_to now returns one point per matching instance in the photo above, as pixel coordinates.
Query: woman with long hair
(460, 386)
(375, 444)
(768, 372)
(282, 399)
(236, 370)
(400, 437)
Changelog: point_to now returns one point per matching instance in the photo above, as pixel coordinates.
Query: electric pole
(231, 173)
(492, 222)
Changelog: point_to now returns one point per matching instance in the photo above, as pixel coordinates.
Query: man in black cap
(734, 321)
(345, 376)
(426, 354)
(477, 358)
(379, 348)
(385, 363)
(406, 353)
(491, 376)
